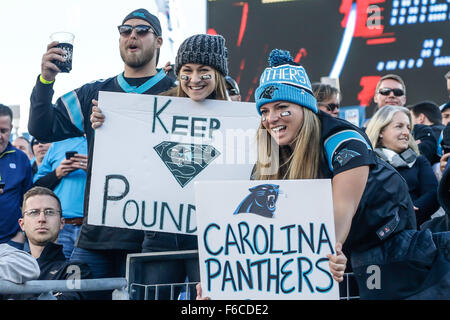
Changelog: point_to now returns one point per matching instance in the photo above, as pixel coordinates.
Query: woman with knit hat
(201, 65)
(374, 215)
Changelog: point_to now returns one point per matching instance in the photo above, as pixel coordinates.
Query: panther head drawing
(268, 92)
(261, 201)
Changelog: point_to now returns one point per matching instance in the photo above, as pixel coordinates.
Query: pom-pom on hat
(205, 49)
(146, 16)
(284, 80)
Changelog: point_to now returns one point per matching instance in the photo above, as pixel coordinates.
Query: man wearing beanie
(104, 249)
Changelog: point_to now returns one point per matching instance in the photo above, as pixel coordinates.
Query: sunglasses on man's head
(141, 29)
(387, 91)
(331, 106)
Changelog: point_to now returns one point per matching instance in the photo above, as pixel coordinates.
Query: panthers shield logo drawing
(261, 201)
(268, 92)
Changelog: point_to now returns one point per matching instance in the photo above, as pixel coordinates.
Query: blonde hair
(220, 90)
(298, 161)
(381, 119)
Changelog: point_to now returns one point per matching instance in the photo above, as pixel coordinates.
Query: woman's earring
(381, 136)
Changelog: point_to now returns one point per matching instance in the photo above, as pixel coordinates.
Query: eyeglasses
(141, 29)
(387, 91)
(33, 213)
(330, 106)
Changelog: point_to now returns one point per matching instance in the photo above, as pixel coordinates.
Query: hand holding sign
(97, 117)
(337, 263)
(254, 244)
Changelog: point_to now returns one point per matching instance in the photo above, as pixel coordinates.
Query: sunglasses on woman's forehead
(141, 29)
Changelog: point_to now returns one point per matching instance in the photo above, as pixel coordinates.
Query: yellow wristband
(42, 80)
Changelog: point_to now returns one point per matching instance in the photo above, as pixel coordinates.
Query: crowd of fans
(43, 195)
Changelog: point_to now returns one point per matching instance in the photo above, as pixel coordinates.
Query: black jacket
(428, 143)
(422, 185)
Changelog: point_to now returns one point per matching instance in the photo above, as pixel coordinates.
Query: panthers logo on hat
(268, 92)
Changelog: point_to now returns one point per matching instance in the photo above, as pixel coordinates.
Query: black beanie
(203, 49)
(147, 16)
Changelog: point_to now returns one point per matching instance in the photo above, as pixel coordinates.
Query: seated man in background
(42, 221)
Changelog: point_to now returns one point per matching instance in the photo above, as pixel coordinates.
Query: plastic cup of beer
(65, 40)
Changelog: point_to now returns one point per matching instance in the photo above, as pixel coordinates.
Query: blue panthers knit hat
(146, 16)
(284, 80)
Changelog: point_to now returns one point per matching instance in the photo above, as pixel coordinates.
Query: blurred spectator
(67, 179)
(427, 143)
(389, 131)
(15, 180)
(39, 150)
(328, 98)
(445, 113)
(428, 113)
(42, 221)
(390, 90)
(23, 144)
(447, 77)
(16, 265)
(233, 89)
(442, 223)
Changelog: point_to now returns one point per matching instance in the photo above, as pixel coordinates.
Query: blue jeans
(67, 237)
(103, 264)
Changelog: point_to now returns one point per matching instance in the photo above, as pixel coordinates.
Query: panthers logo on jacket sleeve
(261, 201)
(344, 156)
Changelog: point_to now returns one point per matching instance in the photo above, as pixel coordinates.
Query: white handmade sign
(266, 239)
(151, 149)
